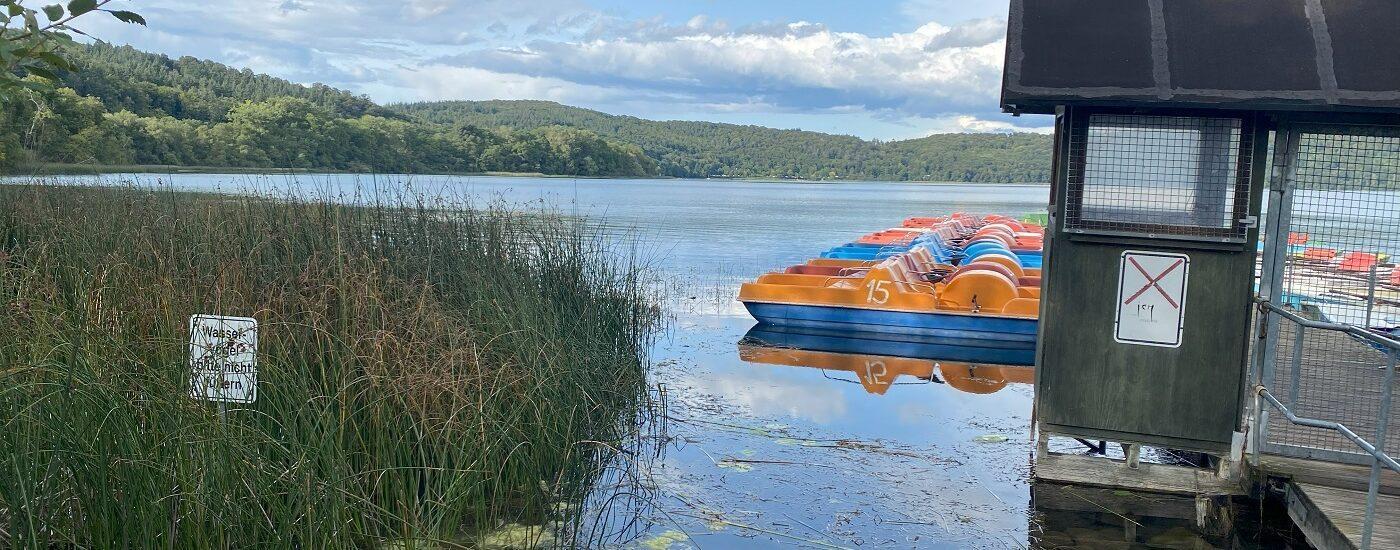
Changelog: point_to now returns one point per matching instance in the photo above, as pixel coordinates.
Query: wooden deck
(1333, 518)
(1327, 501)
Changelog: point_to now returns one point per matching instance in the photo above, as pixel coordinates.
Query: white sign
(224, 358)
(1151, 298)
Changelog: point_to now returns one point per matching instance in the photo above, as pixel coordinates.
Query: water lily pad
(736, 466)
(990, 438)
(514, 535)
(665, 540)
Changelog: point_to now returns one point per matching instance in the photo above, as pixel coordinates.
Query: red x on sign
(1152, 282)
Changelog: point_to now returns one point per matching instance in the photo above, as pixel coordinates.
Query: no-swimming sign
(224, 358)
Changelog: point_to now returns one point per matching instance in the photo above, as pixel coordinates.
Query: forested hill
(125, 78)
(122, 106)
(708, 149)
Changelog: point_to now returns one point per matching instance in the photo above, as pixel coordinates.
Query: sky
(887, 70)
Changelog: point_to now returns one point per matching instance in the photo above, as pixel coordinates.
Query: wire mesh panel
(1328, 375)
(1159, 176)
(1343, 230)
(1345, 225)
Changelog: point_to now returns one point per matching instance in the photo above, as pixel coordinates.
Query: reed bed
(427, 375)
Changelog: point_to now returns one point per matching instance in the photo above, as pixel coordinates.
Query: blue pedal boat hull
(869, 343)
(965, 327)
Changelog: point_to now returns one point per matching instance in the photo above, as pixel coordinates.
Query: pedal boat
(972, 303)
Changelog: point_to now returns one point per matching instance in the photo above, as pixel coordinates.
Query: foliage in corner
(30, 47)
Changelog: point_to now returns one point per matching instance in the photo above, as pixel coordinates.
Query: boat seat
(985, 266)
(928, 263)
(1013, 264)
(988, 289)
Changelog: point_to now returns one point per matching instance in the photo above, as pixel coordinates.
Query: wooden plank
(1097, 500)
(1329, 474)
(1320, 531)
(1333, 518)
(1156, 478)
(1069, 516)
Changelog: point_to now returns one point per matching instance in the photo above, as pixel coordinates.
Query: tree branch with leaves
(31, 47)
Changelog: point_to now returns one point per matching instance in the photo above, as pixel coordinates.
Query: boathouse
(1220, 270)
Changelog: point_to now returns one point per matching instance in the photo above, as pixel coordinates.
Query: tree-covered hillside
(125, 78)
(121, 106)
(707, 149)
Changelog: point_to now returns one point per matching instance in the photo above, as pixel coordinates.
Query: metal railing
(1262, 394)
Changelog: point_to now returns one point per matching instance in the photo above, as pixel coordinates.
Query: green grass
(425, 375)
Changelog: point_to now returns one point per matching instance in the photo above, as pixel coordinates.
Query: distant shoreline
(63, 169)
(66, 169)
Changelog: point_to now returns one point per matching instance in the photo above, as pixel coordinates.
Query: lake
(762, 447)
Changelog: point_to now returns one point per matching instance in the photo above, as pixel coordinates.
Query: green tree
(282, 132)
(31, 47)
(707, 149)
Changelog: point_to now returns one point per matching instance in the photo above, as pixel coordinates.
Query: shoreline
(60, 169)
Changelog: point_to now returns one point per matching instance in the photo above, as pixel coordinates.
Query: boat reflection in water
(881, 360)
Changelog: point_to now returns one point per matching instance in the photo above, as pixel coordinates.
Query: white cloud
(930, 70)
(933, 78)
(765, 391)
(423, 9)
(437, 82)
(969, 123)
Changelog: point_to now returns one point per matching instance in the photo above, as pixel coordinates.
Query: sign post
(223, 359)
(1151, 298)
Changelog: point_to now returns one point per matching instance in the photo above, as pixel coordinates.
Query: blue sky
(882, 70)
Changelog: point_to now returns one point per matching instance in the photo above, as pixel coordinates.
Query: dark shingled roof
(1308, 55)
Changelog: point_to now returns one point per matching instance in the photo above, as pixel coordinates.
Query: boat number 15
(878, 293)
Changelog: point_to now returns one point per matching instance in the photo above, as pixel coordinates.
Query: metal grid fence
(1342, 228)
(1161, 176)
(1331, 375)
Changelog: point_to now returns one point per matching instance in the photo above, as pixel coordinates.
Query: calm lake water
(803, 448)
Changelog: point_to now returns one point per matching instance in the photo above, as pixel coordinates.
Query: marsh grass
(426, 374)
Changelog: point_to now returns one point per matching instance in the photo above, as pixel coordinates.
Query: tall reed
(427, 374)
